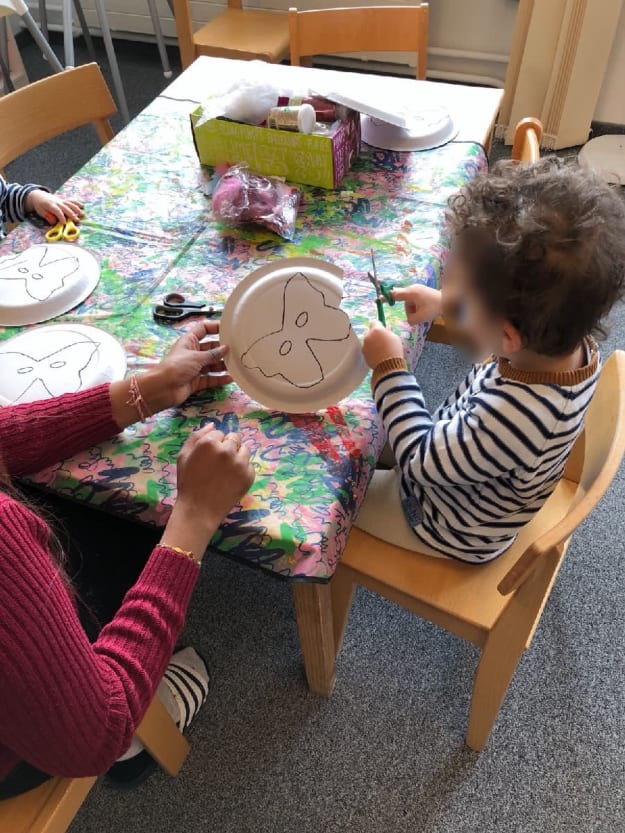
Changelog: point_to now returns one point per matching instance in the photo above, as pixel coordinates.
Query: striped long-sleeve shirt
(485, 462)
(12, 201)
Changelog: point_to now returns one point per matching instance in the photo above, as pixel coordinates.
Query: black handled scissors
(175, 307)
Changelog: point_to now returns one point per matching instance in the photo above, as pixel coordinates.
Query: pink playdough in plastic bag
(243, 197)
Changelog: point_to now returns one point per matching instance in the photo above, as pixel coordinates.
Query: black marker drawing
(306, 320)
(58, 372)
(43, 275)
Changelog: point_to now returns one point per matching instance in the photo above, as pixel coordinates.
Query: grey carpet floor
(386, 751)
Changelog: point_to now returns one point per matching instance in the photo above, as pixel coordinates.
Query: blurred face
(485, 333)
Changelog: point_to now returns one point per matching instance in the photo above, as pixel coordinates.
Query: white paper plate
(45, 281)
(60, 358)
(429, 128)
(291, 348)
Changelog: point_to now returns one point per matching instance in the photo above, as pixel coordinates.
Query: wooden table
(149, 222)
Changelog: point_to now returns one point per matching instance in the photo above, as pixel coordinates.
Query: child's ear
(511, 339)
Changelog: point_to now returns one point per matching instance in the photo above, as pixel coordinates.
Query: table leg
(313, 609)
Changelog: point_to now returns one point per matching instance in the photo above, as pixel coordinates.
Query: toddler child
(17, 201)
(537, 261)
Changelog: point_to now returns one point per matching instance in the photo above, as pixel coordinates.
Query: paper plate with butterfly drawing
(45, 281)
(292, 347)
(60, 358)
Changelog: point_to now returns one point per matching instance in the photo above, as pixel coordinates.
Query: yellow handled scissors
(63, 231)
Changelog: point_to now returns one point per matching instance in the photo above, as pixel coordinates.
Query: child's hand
(422, 303)
(380, 343)
(61, 209)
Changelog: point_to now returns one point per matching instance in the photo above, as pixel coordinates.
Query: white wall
(611, 104)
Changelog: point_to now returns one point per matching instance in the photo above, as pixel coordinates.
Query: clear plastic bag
(243, 197)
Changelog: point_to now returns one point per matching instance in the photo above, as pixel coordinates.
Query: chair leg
(342, 588)
(4, 57)
(63, 804)
(43, 18)
(112, 59)
(313, 609)
(160, 41)
(41, 42)
(162, 738)
(503, 649)
(68, 33)
(80, 14)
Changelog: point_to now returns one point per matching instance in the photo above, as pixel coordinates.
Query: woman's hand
(53, 208)
(214, 472)
(381, 343)
(184, 369)
(422, 303)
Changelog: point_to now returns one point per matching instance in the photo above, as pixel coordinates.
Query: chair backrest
(593, 463)
(527, 136)
(47, 108)
(362, 29)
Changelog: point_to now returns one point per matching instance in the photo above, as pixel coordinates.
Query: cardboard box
(298, 157)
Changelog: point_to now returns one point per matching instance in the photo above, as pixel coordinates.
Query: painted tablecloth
(149, 223)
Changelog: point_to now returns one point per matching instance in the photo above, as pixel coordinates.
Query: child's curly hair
(545, 246)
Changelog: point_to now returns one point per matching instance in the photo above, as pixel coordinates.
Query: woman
(70, 707)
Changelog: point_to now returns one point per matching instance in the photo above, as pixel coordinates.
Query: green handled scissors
(383, 291)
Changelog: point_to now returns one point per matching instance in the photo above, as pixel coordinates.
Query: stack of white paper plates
(291, 346)
(60, 358)
(45, 281)
(427, 129)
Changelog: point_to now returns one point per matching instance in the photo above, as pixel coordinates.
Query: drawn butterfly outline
(42, 276)
(289, 352)
(59, 372)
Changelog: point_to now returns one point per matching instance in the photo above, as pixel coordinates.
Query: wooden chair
(235, 33)
(496, 606)
(363, 29)
(47, 108)
(51, 807)
(526, 148)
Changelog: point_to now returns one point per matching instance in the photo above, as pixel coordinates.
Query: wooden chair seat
(245, 34)
(462, 598)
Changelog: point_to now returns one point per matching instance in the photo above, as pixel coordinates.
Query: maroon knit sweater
(68, 707)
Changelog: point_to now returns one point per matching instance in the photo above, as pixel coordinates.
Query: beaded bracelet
(185, 553)
(137, 401)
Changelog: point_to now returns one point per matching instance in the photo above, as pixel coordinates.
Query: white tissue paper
(245, 100)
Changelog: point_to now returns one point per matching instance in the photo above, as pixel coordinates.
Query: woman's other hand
(214, 472)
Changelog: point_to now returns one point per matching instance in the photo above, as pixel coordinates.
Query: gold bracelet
(185, 553)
